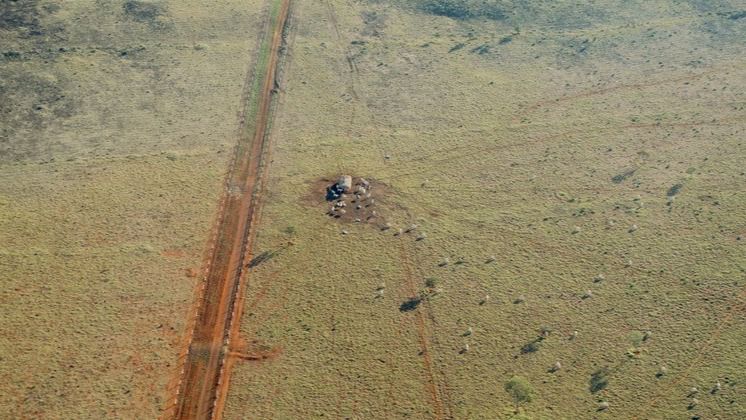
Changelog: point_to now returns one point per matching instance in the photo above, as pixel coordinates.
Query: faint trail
(473, 152)
(351, 79)
(432, 384)
(739, 305)
(202, 387)
(436, 381)
(535, 106)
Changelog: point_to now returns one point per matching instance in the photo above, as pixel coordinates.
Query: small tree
(520, 390)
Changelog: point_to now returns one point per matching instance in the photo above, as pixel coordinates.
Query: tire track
(436, 384)
(202, 387)
(590, 93)
(467, 152)
(739, 305)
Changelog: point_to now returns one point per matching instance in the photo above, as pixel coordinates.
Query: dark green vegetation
(520, 390)
(599, 380)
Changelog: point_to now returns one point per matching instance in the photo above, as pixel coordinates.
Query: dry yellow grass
(537, 132)
(118, 122)
(506, 138)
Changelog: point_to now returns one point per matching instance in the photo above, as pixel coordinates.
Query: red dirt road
(202, 387)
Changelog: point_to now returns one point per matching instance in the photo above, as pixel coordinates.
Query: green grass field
(595, 150)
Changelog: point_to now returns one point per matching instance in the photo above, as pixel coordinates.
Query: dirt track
(201, 386)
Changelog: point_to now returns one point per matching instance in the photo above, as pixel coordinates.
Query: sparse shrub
(636, 338)
(410, 304)
(520, 390)
(290, 230)
(431, 282)
(463, 9)
(618, 179)
(674, 190)
(262, 258)
(457, 47)
(532, 346)
(599, 380)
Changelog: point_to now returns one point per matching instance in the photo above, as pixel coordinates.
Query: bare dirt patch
(363, 203)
